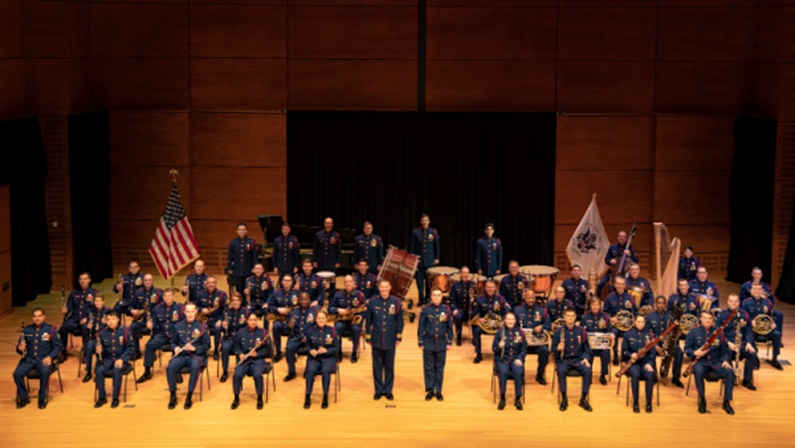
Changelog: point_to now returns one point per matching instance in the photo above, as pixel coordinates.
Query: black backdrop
(89, 181)
(751, 198)
(463, 169)
(24, 168)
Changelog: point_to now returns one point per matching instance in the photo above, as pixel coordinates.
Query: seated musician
(714, 358)
(435, 337)
(634, 280)
(190, 344)
(211, 303)
(310, 283)
(618, 300)
(767, 292)
(280, 303)
(756, 305)
(644, 367)
(490, 303)
(703, 287)
(510, 349)
(252, 346)
(462, 296)
(658, 321)
(115, 349)
(572, 353)
(688, 264)
(512, 285)
(533, 315)
(596, 321)
(96, 323)
(558, 304)
(613, 258)
(577, 290)
(235, 317)
(162, 324)
(349, 305)
(40, 344)
(194, 282)
(740, 339)
(259, 288)
(365, 281)
(323, 343)
(688, 304)
(301, 319)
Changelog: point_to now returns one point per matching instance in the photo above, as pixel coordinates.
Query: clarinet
(99, 340)
(22, 338)
(738, 340)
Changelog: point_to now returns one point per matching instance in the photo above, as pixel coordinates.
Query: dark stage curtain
(463, 169)
(786, 283)
(751, 197)
(24, 168)
(89, 181)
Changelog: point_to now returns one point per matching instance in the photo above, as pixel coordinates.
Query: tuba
(536, 339)
(637, 294)
(624, 319)
(687, 322)
(491, 323)
(762, 324)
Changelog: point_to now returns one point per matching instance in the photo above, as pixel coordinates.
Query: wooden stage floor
(467, 416)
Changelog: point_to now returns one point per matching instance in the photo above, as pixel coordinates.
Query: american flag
(173, 246)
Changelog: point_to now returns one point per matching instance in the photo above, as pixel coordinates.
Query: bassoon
(709, 342)
(645, 349)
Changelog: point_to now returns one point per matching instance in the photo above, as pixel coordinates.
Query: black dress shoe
(101, 402)
(215, 355)
(324, 405)
(702, 406)
(728, 408)
(172, 402)
(540, 380)
(518, 403)
(648, 408)
(354, 358)
(501, 406)
(749, 385)
(564, 404)
(42, 405)
(390, 397)
(188, 402)
(678, 383)
(137, 356)
(291, 376)
(584, 404)
(22, 403)
(115, 403)
(88, 377)
(776, 365)
(635, 408)
(377, 397)
(224, 377)
(278, 357)
(439, 396)
(259, 402)
(307, 402)
(145, 377)
(603, 380)
(429, 395)
(478, 358)
(458, 342)
(615, 360)
(235, 402)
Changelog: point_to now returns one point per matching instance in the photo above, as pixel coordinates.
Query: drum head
(443, 270)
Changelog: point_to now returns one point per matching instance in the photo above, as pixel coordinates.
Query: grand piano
(272, 227)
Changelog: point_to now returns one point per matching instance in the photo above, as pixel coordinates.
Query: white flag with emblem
(589, 244)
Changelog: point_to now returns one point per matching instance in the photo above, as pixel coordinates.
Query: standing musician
(144, 300)
(76, 311)
(702, 286)
(488, 253)
(211, 303)
(532, 315)
(241, 257)
(616, 301)
(757, 305)
(688, 264)
(490, 303)
(235, 317)
(286, 252)
(614, 255)
(512, 285)
(115, 351)
(259, 288)
(347, 304)
(462, 298)
(310, 283)
(435, 337)
(190, 344)
(39, 346)
(252, 346)
(383, 331)
(717, 358)
(739, 330)
(597, 321)
(323, 344)
(635, 280)
(643, 368)
(577, 290)
(424, 243)
(280, 303)
(365, 281)
(369, 248)
(163, 325)
(128, 284)
(194, 283)
(767, 292)
(326, 251)
(558, 304)
(301, 319)
(510, 349)
(96, 323)
(572, 353)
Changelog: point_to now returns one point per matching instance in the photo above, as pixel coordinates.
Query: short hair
(702, 267)
(683, 280)
(168, 290)
(242, 224)
(191, 304)
(304, 294)
(237, 295)
(569, 310)
(114, 313)
(285, 224)
(211, 277)
(99, 295)
(620, 278)
(84, 273)
(491, 280)
(731, 296)
(488, 224)
(367, 223)
(306, 260)
(433, 290)
(512, 262)
(708, 313)
(576, 266)
(660, 297)
(323, 312)
(690, 248)
(383, 280)
(634, 265)
(756, 268)
(595, 300)
(37, 309)
(425, 215)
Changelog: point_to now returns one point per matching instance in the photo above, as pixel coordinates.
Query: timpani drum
(480, 280)
(439, 277)
(542, 277)
(328, 278)
(498, 279)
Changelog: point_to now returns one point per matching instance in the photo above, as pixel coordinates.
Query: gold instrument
(354, 315)
(738, 340)
(687, 322)
(216, 304)
(599, 341)
(22, 338)
(637, 294)
(559, 322)
(536, 339)
(705, 302)
(491, 323)
(762, 324)
(645, 310)
(273, 317)
(624, 320)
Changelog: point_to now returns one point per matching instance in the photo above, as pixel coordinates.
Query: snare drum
(328, 278)
(480, 280)
(542, 277)
(439, 277)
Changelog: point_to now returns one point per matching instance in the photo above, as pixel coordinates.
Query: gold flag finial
(174, 174)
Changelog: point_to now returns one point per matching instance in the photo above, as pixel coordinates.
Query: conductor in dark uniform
(241, 257)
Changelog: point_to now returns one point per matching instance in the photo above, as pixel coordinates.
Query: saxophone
(216, 305)
(353, 315)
